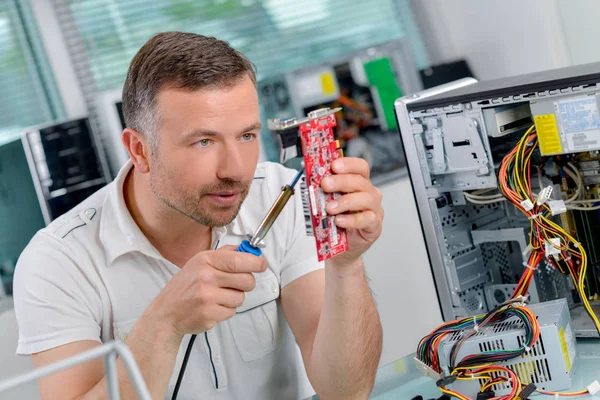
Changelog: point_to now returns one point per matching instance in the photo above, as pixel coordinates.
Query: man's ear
(138, 148)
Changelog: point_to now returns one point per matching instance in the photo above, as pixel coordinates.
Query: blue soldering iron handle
(246, 247)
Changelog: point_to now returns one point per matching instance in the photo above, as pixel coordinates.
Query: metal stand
(109, 351)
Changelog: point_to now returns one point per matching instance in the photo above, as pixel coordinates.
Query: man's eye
(203, 142)
(248, 136)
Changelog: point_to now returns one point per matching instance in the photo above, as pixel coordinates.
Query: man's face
(207, 150)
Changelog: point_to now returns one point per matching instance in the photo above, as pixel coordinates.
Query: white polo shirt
(91, 273)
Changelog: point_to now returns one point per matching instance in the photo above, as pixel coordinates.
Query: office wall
(499, 37)
(400, 275)
(580, 22)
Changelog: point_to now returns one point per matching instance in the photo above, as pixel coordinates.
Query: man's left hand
(359, 209)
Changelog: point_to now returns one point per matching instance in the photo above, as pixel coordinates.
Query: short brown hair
(179, 60)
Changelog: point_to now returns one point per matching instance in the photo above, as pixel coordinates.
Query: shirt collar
(118, 231)
(120, 234)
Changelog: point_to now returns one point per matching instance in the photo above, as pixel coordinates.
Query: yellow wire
(455, 394)
(544, 392)
(522, 145)
(579, 282)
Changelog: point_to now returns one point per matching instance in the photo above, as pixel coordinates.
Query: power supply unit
(549, 364)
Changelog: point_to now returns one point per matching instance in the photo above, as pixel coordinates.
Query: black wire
(182, 370)
(486, 357)
(187, 356)
(211, 360)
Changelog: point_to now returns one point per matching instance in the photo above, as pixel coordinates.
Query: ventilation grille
(495, 257)
(551, 284)
(492, 345)
(533, 371)
(537, 351)
(452, 216)
(530, 367)
(508, 325)
(473, 300)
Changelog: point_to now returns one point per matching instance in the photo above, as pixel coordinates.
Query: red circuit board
(319, 150)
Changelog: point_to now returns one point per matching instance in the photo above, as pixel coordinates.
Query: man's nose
(231, 164)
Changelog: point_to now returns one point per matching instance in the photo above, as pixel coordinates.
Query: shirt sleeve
(301, 253)
(55, 302)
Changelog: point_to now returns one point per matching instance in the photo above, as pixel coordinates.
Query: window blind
(28, 96)
(276, 35)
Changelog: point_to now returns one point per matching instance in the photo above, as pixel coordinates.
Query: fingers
(239, 281)
(368, 221)
(230, 298)
(351, 165)
(346, 183)
(227, 247)
(360, 201)
(221, 313)
(232, 261)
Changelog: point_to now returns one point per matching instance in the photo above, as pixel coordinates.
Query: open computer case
(455, 137)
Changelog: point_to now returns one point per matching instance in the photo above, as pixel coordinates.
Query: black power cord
(188, 351)
(183, 365)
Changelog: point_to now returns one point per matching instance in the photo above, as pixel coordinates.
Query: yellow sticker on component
(328, 83)
(548, 135)
(565, 348)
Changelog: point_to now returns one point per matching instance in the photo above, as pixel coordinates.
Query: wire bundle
(488, 377)
(568, 256)
(477, 366)
(484, 367)
(482, 196)
(565, 254)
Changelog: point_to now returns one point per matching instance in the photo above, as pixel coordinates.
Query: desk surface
(401, 380)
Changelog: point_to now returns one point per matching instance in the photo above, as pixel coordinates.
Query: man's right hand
(206, 291)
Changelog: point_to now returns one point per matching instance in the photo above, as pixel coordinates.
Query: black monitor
(66, 162)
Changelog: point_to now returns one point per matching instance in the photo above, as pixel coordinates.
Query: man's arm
(337, 327)
(332, 312)
(207, 290)
(154, 348)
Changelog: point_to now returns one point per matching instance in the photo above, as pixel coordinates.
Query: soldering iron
(252, 245)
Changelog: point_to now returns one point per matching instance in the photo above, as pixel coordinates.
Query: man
(137, 261)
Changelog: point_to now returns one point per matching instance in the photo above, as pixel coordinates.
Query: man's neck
(176, 236)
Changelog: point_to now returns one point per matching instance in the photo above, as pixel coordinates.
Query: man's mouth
(224, 194)
(226, 198)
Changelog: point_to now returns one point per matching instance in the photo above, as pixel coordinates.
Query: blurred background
(63, 63)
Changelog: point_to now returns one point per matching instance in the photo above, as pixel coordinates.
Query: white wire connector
(522, 301)
(527, 205)
(557, 207)
(475, 326)
(593, 388)
(524, 298)
(527, 349)
(551, 246)
(427, 370)
(533, 216)
(576, 244)
(544, 195)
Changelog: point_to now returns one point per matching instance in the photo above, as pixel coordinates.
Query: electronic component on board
(312, 138)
